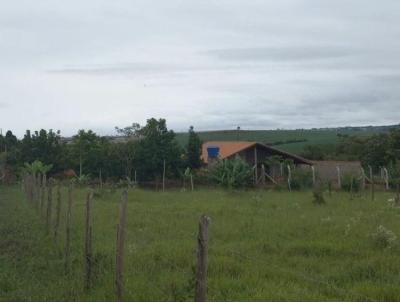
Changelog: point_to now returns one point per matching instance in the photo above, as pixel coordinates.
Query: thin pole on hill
(135, 178)
(191, 182)
(88, 241)
(58, 213)
(398, 195)
(371, 177)
(202, 260)
(163, 177)
(121, 234)
(68, 230)
(49, 204)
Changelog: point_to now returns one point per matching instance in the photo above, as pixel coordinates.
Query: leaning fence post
(88, 241)
(58, 213)
(121, 233)
(49, 203)
(202, 259)
(68, 230)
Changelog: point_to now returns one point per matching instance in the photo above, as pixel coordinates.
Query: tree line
(143, 150)
(378, 150)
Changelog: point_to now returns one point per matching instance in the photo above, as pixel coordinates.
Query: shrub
(384, 238)
(233, 173)
(318, 196)
(351, 182)
(301, 179)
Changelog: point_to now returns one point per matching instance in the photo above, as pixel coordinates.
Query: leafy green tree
(88, 152)
(193, 150)
(44, 146)
(157, 144)
(129, 131)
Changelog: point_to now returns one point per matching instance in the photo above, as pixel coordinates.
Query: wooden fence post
(58, 213)
(68, 231)
(202, 260)
(191, 182)
(362, 178)
(49, 204)
(289, 179)
(88, 241)
(339, 177)
(313, 175)
(121, 233)
(386, 178)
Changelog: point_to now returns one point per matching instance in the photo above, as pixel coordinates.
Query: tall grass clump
(318, 196)
(383, 237)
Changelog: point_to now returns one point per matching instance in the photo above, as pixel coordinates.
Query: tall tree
(86, 150)
(157, 144)
(193, 150)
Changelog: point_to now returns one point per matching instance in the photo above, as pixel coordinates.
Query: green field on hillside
(288, 140)
(264, 246)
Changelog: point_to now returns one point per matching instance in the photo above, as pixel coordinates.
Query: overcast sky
(213, 64)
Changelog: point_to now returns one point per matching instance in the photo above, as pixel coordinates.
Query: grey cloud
(280, 53)
(214, 64)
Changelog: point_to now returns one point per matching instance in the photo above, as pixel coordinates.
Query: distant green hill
(288, 140)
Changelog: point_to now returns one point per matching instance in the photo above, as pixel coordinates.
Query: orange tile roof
(226, 148)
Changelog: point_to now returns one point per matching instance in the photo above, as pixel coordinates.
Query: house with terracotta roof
(254, 153)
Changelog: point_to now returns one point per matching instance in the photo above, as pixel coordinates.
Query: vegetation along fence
(35, 186)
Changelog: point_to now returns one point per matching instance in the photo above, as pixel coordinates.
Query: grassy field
(264, 246)
(281, 138)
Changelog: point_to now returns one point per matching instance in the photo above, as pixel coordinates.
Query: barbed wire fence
(33, 190)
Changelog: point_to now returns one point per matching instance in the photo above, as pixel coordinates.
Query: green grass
(264, 246)
(302, 137)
